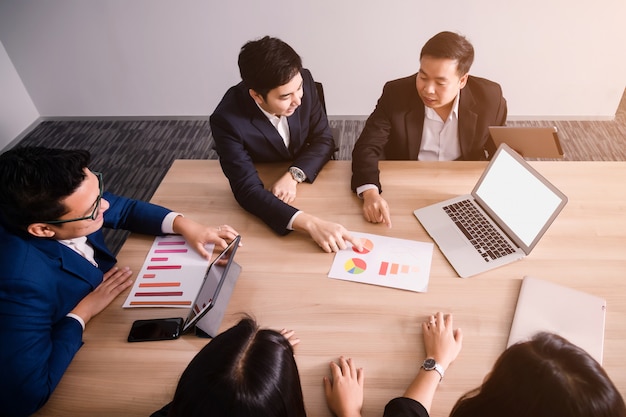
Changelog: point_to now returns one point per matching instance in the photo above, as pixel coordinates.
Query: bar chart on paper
(171, 275)
(385, 261)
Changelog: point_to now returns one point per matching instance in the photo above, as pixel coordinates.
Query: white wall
(17, 111)
(554, 58)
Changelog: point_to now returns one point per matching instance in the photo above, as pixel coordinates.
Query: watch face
(429, 364)
(297, 174)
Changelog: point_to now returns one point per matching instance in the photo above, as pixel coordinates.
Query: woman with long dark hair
(244, 371)
(545, 376)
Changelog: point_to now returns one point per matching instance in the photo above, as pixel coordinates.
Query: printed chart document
(171, 275)
(385, 261)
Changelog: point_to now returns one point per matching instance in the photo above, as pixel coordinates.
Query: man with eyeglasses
(56, 272)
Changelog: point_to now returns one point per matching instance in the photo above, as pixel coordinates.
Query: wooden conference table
(284, 284)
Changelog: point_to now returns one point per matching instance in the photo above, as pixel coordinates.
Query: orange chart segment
(394, 269)
(355, 266)
(368, 245)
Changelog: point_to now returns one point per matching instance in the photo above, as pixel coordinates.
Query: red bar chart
(171, 275)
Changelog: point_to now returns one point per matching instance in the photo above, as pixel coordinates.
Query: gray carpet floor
(135, 155)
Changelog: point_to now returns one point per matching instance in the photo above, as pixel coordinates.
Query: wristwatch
(297, 174)
(431, 365)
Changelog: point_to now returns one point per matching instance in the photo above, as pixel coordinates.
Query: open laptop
(515, 206)
(529, 141)
(575, 315)
(214, 292)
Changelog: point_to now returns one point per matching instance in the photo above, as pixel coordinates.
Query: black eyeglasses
(94, 213)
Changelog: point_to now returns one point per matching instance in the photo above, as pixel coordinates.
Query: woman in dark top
(546, 376)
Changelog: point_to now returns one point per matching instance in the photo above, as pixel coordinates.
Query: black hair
(544, 377)
(450, 45)
(267, 63)
(34, 181)
(244, 371)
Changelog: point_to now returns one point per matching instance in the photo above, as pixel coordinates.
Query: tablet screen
(213, 279)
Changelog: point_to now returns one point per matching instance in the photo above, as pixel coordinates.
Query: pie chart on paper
(355, 266)
(368, 245)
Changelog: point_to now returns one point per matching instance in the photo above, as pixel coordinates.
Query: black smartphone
(155, 329)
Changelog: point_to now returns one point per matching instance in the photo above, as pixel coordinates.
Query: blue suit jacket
(243, 136)
(41, 280)
(394, 129)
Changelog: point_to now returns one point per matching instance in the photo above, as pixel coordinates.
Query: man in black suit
(275, 115)
(439, 114)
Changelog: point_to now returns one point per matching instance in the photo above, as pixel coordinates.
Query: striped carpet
(136, 154)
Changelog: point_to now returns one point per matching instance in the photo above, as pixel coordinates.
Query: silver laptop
(529, 141)
(575, 315)
(501, 221)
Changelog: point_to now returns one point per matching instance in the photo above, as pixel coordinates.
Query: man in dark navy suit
(441, 113)
(275, 115)
(56, 272)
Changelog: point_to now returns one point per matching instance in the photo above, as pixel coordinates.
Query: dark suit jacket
(244, 136)
(394, 129)
(41, 280)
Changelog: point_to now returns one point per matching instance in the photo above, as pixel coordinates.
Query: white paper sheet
(171, 275)
(385, 261)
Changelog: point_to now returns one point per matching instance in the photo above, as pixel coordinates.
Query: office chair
(336, 131)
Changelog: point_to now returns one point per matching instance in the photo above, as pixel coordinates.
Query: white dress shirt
(282, 125)
(440, 139)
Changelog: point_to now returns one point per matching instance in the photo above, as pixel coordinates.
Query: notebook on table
(575, 315)
(529, 141)
(501, 221)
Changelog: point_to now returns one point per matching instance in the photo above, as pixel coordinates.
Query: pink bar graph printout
(171, 275)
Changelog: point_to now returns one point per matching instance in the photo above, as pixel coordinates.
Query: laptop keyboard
(487, 241)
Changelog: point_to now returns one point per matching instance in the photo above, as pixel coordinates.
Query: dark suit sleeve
(244, 180)
(488, 107)
(237, 126)
(163, 412)
(502, 112)
(500, 118)
(404, 407)
(318, 145)
(370, 146)
(134, 215)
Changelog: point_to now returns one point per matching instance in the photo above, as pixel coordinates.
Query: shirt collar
(271, 117)
(76, 241)
(432, 114)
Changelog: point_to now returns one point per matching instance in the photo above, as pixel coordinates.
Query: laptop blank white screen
(517, 197)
